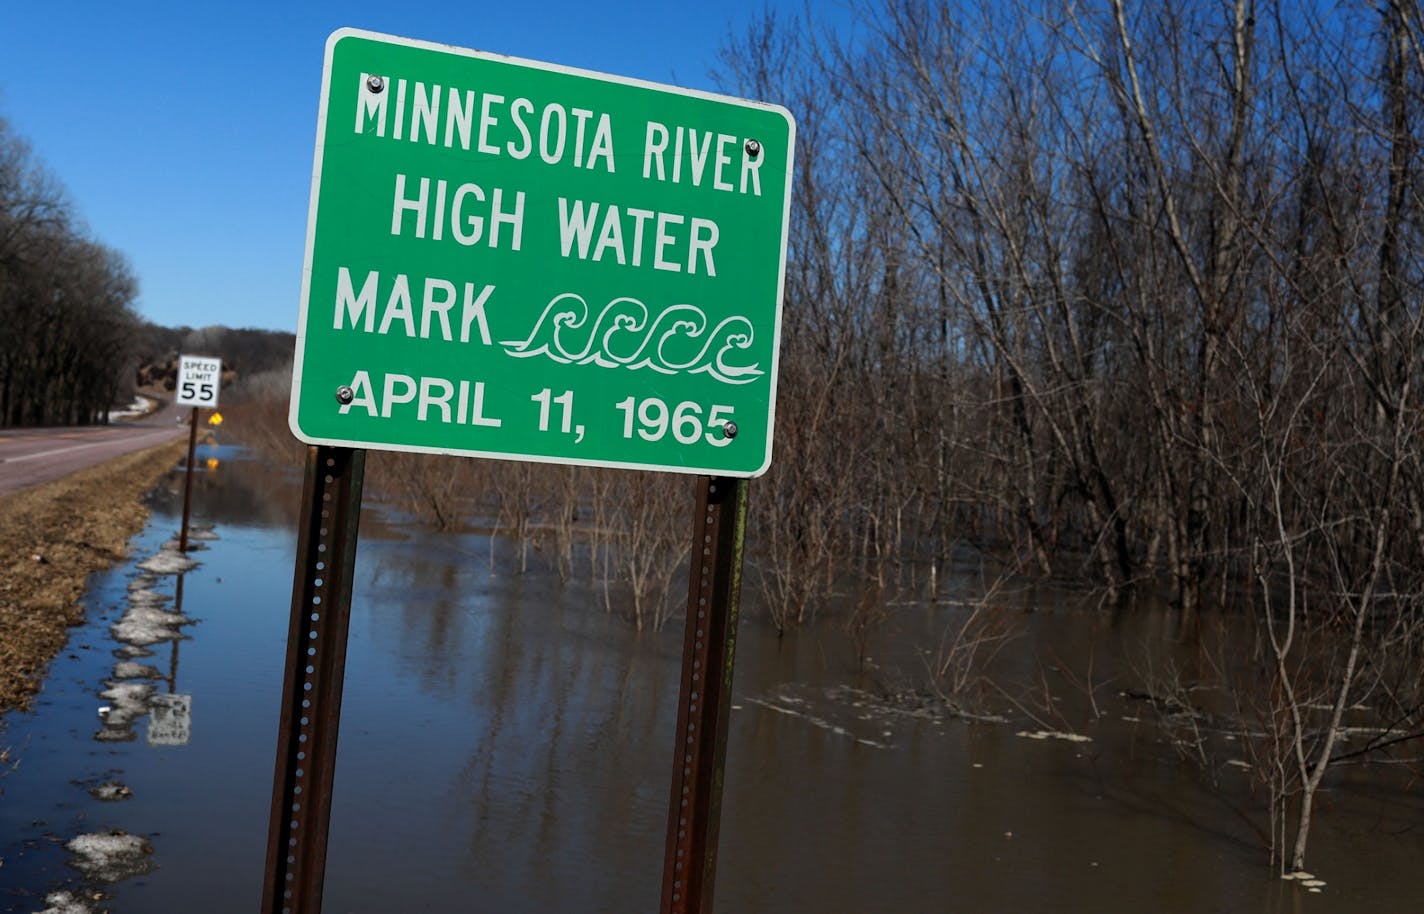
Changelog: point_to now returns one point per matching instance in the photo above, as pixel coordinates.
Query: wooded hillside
(71, 345)
(67, 326)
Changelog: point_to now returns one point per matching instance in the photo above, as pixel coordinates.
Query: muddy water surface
(505, 747)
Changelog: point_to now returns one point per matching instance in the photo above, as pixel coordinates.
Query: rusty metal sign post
(188, 480)
(198, 385)
(316, 661)
(705, 697)
(311, 693)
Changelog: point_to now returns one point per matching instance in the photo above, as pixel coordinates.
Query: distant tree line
(256, 362)
(246, 350)
(67, 326)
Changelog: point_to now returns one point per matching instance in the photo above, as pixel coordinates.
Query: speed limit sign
(198, 379)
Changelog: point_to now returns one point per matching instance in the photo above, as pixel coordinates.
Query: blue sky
(183, 132)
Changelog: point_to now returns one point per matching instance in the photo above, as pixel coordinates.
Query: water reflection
(557, 721)
(232, 488)
(505, 746)
(170, 715)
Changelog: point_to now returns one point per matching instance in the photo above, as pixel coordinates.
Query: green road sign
(521, 260)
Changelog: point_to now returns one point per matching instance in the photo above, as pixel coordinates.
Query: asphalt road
(30, 456)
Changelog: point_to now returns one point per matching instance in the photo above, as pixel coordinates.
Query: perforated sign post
(520, 260)
(197, 385)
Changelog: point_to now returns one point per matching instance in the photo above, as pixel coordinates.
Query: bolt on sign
(521, 260)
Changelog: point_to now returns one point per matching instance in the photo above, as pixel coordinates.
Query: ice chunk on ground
(142, 582)
(1055, 734)
(65, 903)
(168, 561)
(110, 791)
(143, 626)
(128, 694)
(111, 856)
(127, 701)
(146, 597)
(128, 669)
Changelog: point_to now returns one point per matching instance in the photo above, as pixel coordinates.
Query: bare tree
(65, 302)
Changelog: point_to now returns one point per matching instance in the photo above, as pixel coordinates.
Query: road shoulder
(52, 537)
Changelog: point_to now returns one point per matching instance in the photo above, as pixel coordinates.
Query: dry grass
(52, 537)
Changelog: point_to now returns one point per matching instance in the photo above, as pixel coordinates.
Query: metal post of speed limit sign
(199, 377)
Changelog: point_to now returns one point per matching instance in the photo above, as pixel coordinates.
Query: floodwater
(505, 747)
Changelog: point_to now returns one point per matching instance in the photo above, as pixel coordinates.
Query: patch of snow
(1055, 734)
(141, 406)
(110, 791)
(143, 626)
(65, 903)
(128, 693)
(128, 700)
(146, 597)
(129, 669)
(815, 721)
(142, 582)
(168, 561)
(111, 856)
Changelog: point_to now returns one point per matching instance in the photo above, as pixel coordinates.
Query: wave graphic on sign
(677, 341)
